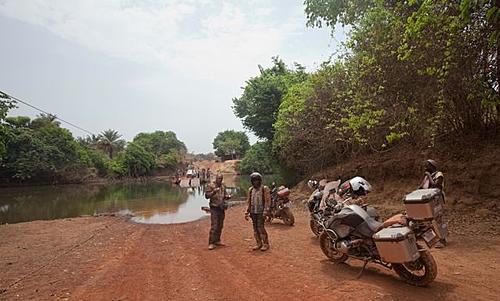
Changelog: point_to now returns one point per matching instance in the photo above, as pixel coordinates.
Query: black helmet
(255, 176)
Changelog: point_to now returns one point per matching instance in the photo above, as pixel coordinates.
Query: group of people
(203, 174)
(258, 203)
(191, 173)
(257, 207)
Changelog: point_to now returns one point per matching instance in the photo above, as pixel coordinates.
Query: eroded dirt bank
(109, 258)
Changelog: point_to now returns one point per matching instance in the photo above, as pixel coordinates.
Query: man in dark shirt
(216, 193)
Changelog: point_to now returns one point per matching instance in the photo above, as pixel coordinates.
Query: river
(149, 202)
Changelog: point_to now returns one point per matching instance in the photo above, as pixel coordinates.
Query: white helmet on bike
(313, 184)
(360, 186)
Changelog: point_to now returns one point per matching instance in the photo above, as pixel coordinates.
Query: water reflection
(150, 202)
(187, 211)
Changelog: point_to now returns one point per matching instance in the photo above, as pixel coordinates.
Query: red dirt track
(107, 258)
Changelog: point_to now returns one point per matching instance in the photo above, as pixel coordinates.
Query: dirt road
(109, 258)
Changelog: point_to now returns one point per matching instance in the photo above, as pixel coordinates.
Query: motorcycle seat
(373, 224)
(396, 219)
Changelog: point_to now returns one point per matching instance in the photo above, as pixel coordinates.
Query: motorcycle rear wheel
(326, 244)
(421, 272)
(288, 217)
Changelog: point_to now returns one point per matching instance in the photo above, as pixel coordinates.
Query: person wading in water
(258, 202)
(216, 192)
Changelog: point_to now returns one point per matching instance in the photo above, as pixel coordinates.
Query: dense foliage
(40, 150)
(231, 144)
(168, 151)
(258, 158)
(262, 95)
(110, 141)
(5, 105)
(415, 72)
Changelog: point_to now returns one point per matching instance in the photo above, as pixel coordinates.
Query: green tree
(5, 105)
(262, 95)
(39, 148)
(110, 142)
(231, 144)
(160, 143)
(258, 159)
(136, 160)
(167, 149)
(91, 141)
(331, 12)
(392, 85)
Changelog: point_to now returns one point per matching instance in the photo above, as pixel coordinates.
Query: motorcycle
(319, 215)
(280, 206)
(323, 204)
(394, 244)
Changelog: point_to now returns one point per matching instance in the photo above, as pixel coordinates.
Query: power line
(45, 112)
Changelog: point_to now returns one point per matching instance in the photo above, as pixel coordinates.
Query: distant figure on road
(203, 176)
(216, 192)
(258, 203)
(209, 174)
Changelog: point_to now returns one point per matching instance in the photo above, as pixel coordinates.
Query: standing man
(433, 178)
(216, 193)
(258, 203)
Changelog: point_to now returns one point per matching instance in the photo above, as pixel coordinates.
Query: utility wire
(45, 112)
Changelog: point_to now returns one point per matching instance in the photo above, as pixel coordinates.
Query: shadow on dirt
(381, 277)
(280, 226)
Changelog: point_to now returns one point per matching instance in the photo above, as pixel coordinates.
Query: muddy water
(150, 202)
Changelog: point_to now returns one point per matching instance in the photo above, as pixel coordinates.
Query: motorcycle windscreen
(330, 186)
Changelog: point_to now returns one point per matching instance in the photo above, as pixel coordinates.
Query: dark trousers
(259, 232)
(217, 216)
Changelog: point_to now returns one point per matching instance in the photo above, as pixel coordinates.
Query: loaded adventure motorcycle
(280, 205)
(329, 197)
(394, 244)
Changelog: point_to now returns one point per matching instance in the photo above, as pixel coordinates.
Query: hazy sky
(139, 66)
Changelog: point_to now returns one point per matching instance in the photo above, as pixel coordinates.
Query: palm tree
(91, 141)
(110, 142)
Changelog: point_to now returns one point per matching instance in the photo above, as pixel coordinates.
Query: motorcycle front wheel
(287, 217)
(420, 272)
(315, 227)
(326, 244)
